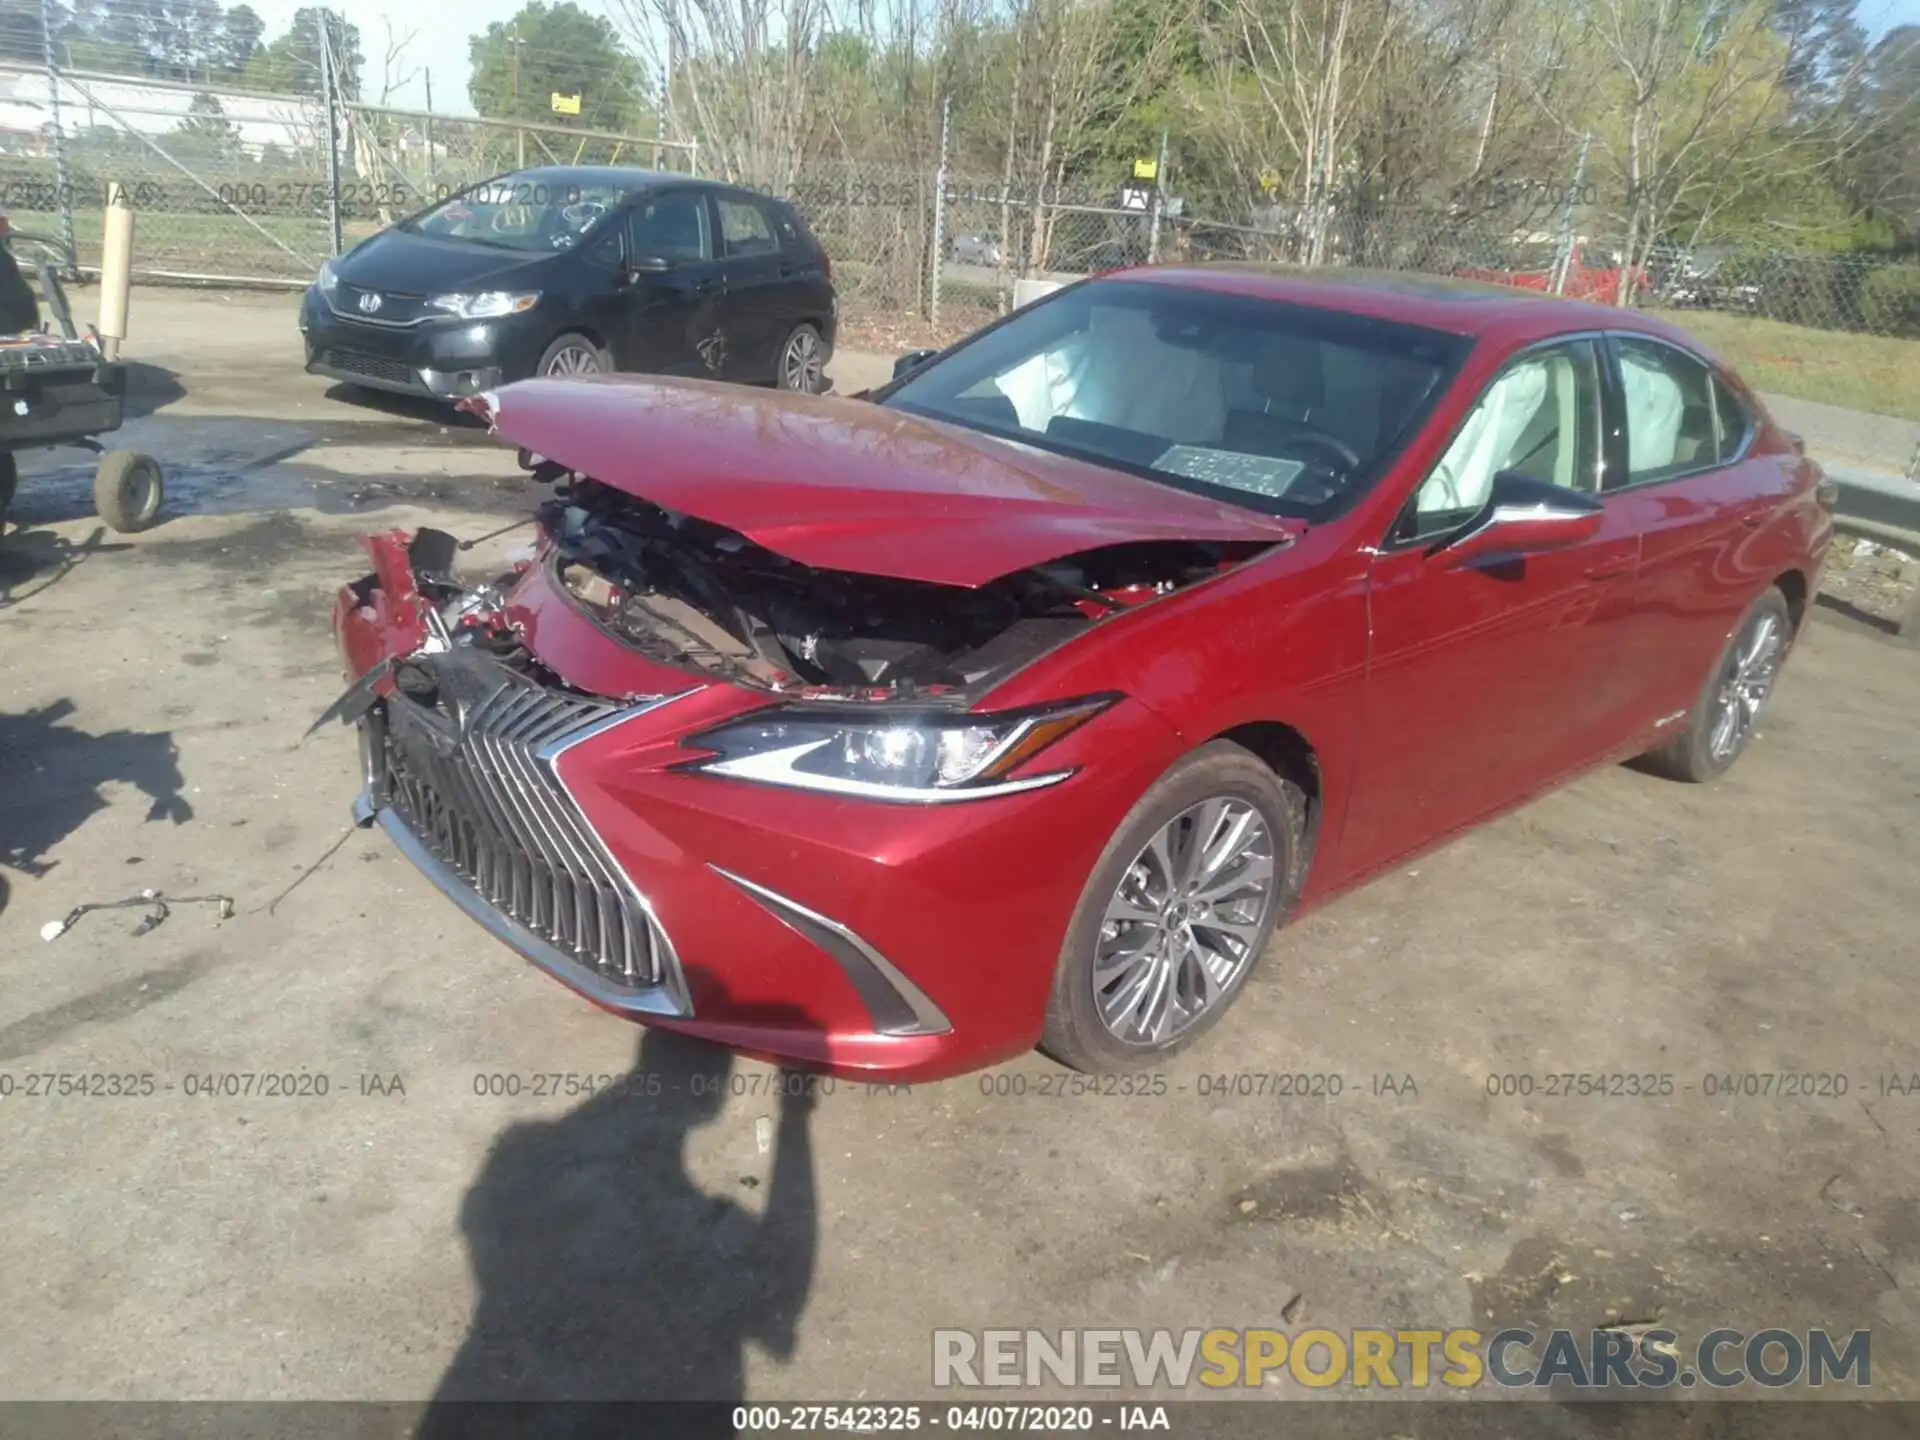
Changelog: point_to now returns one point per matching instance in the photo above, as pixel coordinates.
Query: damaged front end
(487, 711)
(461, 735)
(697, 596)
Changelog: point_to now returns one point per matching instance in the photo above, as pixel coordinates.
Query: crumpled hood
(845, 484)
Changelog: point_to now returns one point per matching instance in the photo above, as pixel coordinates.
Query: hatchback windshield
(520, 212)
(1282, 408)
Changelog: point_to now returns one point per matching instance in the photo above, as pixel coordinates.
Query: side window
(785, 226)
(1731, 419)
(1539, 418)
(1669, 411)
(745, 229)
(671, 227)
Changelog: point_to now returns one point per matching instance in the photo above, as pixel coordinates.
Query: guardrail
(1891, 520)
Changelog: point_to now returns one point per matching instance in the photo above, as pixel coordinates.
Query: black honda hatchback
(568, 270)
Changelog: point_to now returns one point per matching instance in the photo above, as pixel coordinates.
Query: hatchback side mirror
(912, 360)
(1522, 517)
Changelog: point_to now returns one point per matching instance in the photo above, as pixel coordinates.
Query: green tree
(241, 33)
(20, 30)
(206, 131)
(291, 64)
(561, 50)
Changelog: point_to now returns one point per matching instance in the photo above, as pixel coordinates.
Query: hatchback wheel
(1177, 911)
(803, 361)
(1736, 690)
(574, 355)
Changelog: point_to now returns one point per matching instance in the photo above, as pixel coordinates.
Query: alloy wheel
(574, 360)
(1746, 680)
(1179, 933)
(801, 365)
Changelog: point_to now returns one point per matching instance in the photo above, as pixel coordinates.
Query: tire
(9, 482)
(573, 354)
(1220, 774)
(127, 490)
(1743, 675)
(803, 362)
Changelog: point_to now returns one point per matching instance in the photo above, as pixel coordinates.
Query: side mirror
(912, 360)
(649, 265)
(1522, 517)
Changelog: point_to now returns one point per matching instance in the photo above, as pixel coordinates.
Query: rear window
(791, 229)
(1734, 420)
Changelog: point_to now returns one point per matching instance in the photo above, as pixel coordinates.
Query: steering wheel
(1316, 438)
(510, 220)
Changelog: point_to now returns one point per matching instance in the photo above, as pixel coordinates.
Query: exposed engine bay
(684, 592)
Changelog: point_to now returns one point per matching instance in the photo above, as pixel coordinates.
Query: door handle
(1754, 519)
(704, 287)
(786, 271)
(1613, 563)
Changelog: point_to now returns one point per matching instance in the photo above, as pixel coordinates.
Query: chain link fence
(238, 186)
(234, 184)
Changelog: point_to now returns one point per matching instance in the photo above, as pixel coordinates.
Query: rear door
(1488, 683)
(1702, 501)
(756, 273)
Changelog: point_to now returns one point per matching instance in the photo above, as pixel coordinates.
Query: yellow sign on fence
(1145, 168)
(565, 104)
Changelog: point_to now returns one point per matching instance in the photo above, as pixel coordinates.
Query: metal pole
(329, 85)
(1159, 201)
(939, 213)
(56, 140)
(519, 135)
(429, 134)
(1564, 265)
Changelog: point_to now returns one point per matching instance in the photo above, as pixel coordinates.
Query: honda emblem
(369, 303)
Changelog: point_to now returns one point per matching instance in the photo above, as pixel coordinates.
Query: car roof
(1502, 313)
(632, 177)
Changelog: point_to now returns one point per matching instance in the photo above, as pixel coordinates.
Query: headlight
(487, 305)
(921, 758)
(329, 278)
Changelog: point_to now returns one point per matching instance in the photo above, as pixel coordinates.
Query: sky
(442, 28)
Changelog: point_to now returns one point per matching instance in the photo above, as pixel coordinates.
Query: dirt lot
(403, 1232)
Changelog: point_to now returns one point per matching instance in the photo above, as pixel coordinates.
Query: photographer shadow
(607, 1275)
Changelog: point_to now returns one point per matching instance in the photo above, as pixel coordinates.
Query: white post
(116, 270)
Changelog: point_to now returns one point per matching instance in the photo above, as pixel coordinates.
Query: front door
(1487, 682)
(677, 325)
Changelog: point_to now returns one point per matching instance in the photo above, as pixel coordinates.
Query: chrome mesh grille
(484, 802)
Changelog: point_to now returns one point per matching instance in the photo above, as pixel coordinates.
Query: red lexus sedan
(1018, 700)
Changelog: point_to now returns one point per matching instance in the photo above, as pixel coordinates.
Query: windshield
(528, 211)
(1282, 408)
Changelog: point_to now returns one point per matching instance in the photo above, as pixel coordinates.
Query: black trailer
(57, 389)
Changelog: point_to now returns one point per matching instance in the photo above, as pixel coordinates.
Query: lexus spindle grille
(479, 796)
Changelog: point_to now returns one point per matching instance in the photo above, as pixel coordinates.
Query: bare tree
(1691, 90)
(741, 74)
(371, 135)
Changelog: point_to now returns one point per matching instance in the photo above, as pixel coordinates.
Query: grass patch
(1861, 372)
